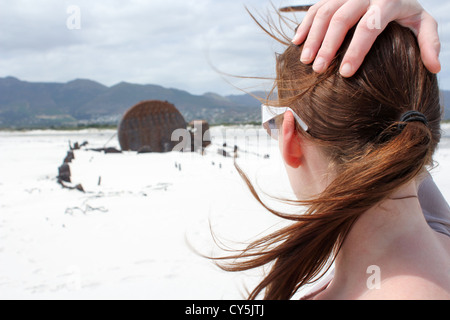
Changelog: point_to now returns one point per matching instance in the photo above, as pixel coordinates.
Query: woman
(323, 29)
(356, 150)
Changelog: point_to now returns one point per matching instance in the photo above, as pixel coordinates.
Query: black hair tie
(412, 116)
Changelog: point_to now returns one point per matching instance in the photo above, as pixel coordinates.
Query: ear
(292, 147)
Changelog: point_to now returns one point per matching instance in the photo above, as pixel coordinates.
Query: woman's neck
(381, 240)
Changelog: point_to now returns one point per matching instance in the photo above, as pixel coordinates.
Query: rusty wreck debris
(149, 126)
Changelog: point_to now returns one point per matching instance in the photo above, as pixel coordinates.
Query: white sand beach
(127, 235)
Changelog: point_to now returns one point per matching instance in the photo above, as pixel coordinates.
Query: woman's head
(354, 124)
(348, 117)
(351, 116)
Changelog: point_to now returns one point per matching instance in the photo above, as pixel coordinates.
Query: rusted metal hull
(149, 125)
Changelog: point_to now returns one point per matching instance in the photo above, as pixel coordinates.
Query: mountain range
(37, 104)
(32, 104)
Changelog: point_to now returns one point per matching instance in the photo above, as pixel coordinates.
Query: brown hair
(356, 121)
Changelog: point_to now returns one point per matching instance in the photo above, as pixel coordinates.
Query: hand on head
(327, 23)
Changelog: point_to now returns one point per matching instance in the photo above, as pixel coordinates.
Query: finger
(366, 32)
(305, 25)
(318, 29)
(343, 20)
(430, 46)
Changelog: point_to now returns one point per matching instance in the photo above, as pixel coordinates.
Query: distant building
(149, 126)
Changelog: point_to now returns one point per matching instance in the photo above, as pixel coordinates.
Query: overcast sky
(173, 43)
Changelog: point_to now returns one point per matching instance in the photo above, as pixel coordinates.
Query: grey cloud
(174, 43)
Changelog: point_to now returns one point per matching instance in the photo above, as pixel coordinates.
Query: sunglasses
(271, 119)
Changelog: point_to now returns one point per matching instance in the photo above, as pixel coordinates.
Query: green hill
(32, 104)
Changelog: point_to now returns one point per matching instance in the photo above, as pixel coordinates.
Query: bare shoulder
(409, 287)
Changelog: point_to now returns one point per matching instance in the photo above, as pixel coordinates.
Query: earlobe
(292, 149)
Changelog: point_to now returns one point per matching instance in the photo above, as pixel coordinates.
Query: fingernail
(296, 38)
(319, 64)
(306, 55)
(346, 70)
(439, 64)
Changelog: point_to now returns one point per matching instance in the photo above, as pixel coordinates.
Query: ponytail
(303, 251)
